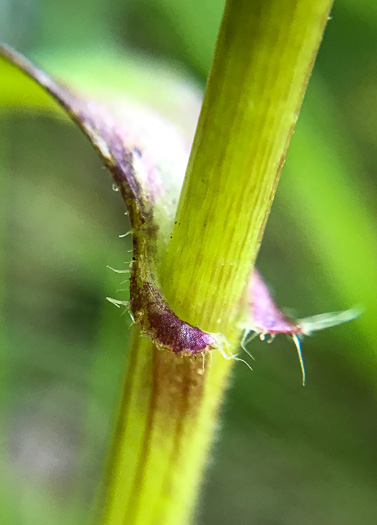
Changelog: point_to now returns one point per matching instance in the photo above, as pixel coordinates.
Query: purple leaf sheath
(149, 176)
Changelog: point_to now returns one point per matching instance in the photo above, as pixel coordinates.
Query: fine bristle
(297, 342)
(322, 321)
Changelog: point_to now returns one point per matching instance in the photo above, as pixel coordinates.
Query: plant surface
(193, 290)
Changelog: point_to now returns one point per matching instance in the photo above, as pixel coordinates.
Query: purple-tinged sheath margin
(266, 318)
(143, 187)
(119, 152)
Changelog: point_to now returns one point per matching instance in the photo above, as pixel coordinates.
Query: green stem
(166, 416)
(263, 60)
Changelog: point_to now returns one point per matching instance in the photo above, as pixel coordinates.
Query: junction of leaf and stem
(198, 284)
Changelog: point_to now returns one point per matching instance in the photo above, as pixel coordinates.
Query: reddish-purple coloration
(118, 151)
(162, 325)
(146, 188)
(266, 318)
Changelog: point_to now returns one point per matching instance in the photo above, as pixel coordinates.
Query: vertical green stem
(263, 60)
(166, 415)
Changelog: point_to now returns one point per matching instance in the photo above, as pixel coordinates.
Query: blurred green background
(284, 454)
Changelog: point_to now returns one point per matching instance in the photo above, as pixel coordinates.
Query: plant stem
(166, 409)
(263, 60)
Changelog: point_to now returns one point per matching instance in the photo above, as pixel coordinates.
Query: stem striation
(167, 418)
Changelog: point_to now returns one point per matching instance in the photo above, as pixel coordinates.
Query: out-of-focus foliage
(287, 454)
